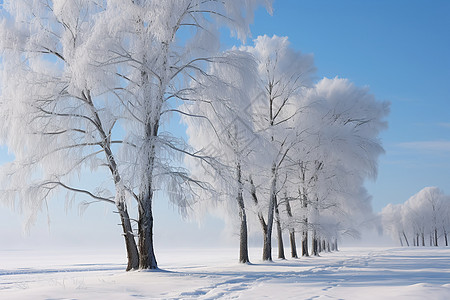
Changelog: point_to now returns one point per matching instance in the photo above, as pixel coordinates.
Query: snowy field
(352, 273)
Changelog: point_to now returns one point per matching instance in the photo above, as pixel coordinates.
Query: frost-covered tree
(222, 134)
(435, 203)
(314, 145)
(284, 74)
(84, 72)
(353, 121)
(339, 132)
(55, 122)
(165, 44)
(391, 218)
(425, 213)
(316, 140)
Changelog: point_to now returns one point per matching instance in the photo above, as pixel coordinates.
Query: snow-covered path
(352, 273)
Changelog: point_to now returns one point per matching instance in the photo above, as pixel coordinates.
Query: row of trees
(424, 219)
(284, 152)
(88, 85)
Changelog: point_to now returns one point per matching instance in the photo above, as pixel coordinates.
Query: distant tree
(391, 219)
(436, 207)
(424, 213)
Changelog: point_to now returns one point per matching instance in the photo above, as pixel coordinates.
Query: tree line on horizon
(422, 220)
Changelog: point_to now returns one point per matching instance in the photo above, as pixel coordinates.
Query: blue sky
(399, 49)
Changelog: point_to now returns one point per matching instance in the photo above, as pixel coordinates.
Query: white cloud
(427, 146)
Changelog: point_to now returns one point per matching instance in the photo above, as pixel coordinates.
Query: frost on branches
(88, 84)
(423, 220)
(307, 149)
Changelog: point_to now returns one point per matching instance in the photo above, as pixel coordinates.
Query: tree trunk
(130, 242)
(435, 237)
(406, 239)
(328, 246)
(243, 238)
(316, 240)
(145, 199)
(267, 249)
(243, 243)
(293, 244)
(423, 239)
(152, 114)
(336, 244)
(260, 215)
(315, 244)
(315, 247)
(445, 237)
(291, 231)
(127, 229)
(305, 250)
(279, 232)
(145, 229)
(324, 246)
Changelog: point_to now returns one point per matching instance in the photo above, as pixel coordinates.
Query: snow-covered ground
(352, 273)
